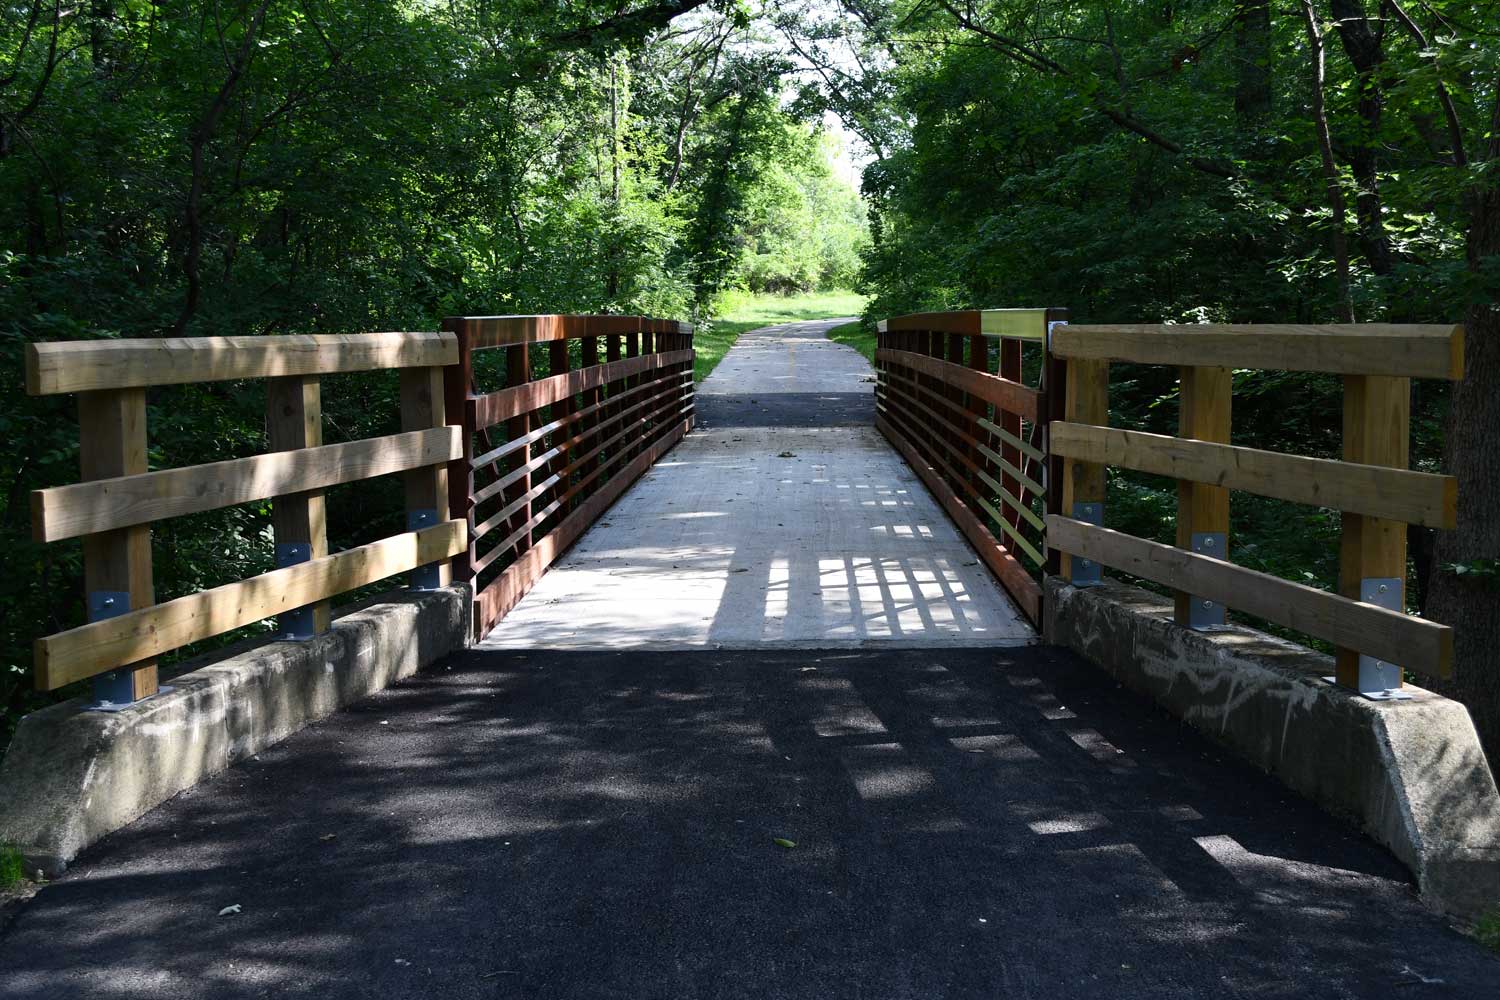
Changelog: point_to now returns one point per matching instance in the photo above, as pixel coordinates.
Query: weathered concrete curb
(72, 775)
(1411, 773)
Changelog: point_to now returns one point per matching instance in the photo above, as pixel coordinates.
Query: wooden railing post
(423, 406)
(458, 381)
(557, 364)
(518, 372)
(294, 419)
(1053, 407)
(588, 350)
(117, 564)
(979, 360)
(1372, 550)
(1203, 509)
(1086, 401)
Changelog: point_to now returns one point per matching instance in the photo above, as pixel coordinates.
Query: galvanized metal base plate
(109, 705)
(1086, 572)
(427, 577)
(1204, 614)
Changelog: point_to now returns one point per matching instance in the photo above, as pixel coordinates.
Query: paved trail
(996, 822)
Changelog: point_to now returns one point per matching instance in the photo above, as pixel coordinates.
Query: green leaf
(783, 842)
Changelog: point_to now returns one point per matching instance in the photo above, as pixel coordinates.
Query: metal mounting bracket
(426, 577)
(1086, 572)
(298, 623)
(1378, 679)
(115, 690)
(1202, 612)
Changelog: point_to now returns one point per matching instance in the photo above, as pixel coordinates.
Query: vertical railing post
(518, 372)
(458, 382)
(632, 443)
(588, 351)
(423, 406)
(1010, 368)
(294, 419)
(1086, 401)
(979, 360)
(557, 364)
(116, 564)
(1372, 550)
(1053, 406)
(1205, 402)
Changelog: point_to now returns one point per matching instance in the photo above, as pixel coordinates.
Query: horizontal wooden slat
(103, 645)
(503, 593)
(1017, 582)
(104, 504)
(652, 387)
(1413, 643)
(966, 322)
(1012, 396)
(1374, 490)
(965, 433)
(1024, 447)
(86, 365)
(491, 408)
(1348, 349)
(1014, 324)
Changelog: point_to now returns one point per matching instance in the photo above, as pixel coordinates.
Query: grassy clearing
(857, 336)
(736, 312)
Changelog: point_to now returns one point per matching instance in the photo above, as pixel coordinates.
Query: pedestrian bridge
(807, 682)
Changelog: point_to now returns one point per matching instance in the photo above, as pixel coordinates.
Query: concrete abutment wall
(72, 775)
(1411, 773)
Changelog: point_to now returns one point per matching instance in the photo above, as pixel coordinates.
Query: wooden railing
(552, 453)
(115, 505)
(1373, 488)
(546, 454)
(951, 397)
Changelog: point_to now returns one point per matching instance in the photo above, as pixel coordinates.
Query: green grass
(736, 312)
(857, 336)
(12, 868)
(1487, 931)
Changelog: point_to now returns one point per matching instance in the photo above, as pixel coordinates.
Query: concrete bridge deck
(983, 820)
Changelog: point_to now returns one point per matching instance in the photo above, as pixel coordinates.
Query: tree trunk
(1365, 48)
(1252, 60)
(1471, 603)
(1330, 168)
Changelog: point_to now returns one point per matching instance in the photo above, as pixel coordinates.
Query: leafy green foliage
(338, 166)
(1487, 930)
(12, 867)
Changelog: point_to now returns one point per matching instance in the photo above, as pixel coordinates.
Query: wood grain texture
(99, 646)
(1390, 635)
(1416, 351)
(112, 443)
(1205, 399)
(1085, 401)
(85, 365)
(1377, 431)
(105, 504)
(294, 420)
(423, 412)
(1399, 494)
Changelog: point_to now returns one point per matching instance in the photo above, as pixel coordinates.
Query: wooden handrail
(90, 365)
(1407, 351)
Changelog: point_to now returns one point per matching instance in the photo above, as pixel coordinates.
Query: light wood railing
(524, 469)
(544, 456)
(951, 397)
(1372, 486)
(114, 506)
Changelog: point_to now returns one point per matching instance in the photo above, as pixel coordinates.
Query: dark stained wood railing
(951, 397)
(547, 453)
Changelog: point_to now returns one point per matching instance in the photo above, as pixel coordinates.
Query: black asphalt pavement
(999, 824)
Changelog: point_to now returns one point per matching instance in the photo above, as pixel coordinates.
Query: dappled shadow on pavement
(968, 823)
